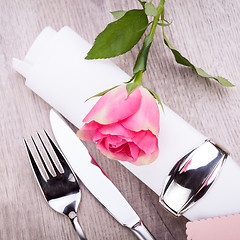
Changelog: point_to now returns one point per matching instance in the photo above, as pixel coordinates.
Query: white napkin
(56, 70)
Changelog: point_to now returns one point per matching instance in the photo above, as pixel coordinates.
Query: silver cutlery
(61, 190)
(92, 176)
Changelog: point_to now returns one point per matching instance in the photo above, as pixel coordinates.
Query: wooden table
(207, 32)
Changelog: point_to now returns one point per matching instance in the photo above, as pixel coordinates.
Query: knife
(95, 180)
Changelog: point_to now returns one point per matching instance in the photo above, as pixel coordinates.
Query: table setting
(147, 140)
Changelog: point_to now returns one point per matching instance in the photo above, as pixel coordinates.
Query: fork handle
(78, 228)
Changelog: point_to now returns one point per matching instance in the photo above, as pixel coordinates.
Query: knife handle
(142, 232)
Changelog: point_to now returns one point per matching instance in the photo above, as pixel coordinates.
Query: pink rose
(124, 127)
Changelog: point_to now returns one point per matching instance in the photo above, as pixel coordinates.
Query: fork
(61, 190)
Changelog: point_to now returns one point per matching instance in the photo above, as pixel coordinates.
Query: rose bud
(124, 127)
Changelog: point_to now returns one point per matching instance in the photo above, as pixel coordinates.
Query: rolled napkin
(56, 70)
(219, 228)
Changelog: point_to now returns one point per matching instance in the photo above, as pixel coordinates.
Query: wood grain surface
(207, 32)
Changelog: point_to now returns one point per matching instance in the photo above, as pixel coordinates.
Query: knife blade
(95, 180)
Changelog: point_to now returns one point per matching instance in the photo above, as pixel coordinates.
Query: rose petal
(117, 149)
(97, 136)
(123, 152)
(146, 141)
(145, 159)
(87, 132)
(114, 106)
(134, 150)
(114, 141)
(121, 155)
(147, 116)
(124, 127)
(118, 130)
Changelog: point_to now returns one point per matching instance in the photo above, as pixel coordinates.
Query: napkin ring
(192, 176)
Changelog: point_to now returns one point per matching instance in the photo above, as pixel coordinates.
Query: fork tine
(41, 158)
(36, 170)
(49, 155)
(62, 192)
(59, 155)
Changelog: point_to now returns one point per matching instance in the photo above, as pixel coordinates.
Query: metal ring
(192, 176)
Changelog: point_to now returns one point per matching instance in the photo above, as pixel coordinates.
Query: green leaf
(132, 78)
(150, 9)
(131, 87)
(102, 93)
(142, 3)
(141, 63)
(118, 14)
(156, 97)
(221, 80)
(164, 24)
(184, 61)
(224, 81)
(165, 20)
(119, 36)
